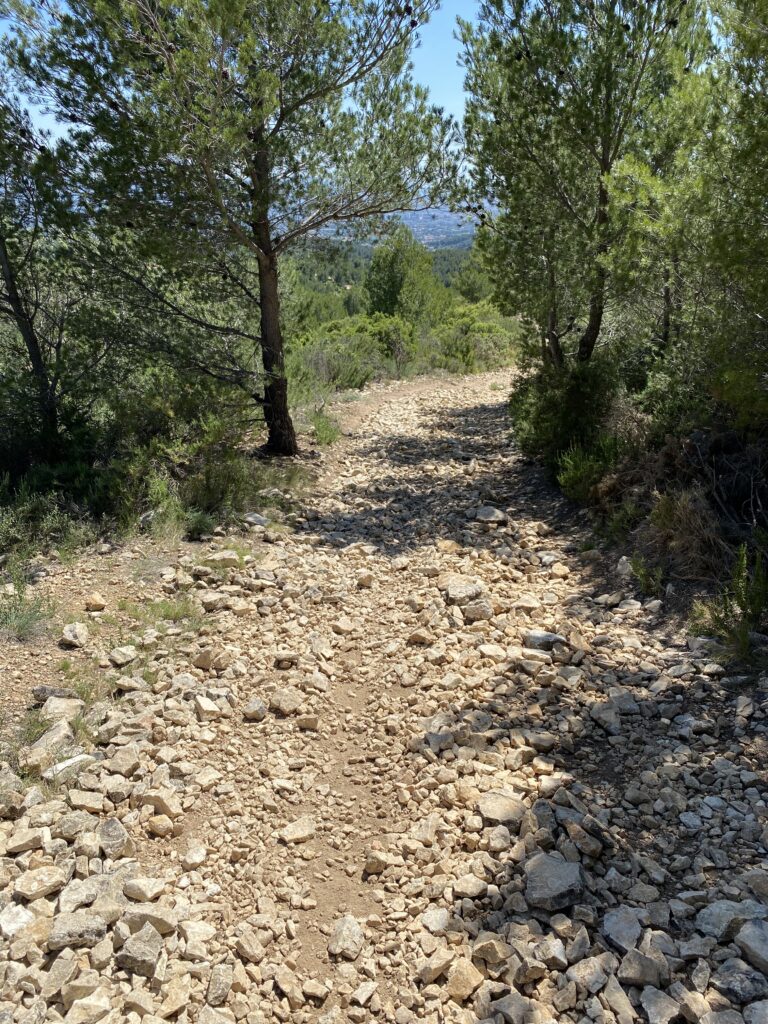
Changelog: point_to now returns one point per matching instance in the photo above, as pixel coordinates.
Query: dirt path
(427, 757)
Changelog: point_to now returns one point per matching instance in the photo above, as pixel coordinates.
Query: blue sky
(435, 61)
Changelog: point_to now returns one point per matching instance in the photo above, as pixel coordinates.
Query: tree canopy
(560, 94)
(243, 127)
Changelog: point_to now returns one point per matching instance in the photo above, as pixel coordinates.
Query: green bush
(741, 609)
(676, 397)
(684, 526)
(649, 578)
(188, 482)
(198, 524)
(554, 410)
(580, 469)
(326, 430)
(346, 354)
(473, 338)
(33, 521)
(621, 520)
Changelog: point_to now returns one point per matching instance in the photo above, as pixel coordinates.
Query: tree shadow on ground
(418, 491)
(631, 847)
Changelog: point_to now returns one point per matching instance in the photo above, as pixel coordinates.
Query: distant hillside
(440, 229)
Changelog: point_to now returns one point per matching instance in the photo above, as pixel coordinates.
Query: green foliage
(560, 94)
(176, 610)
(580, 470)
(401, 280)
(82, 730)
(196, 477)
(474, 338)
(33, 521)
(32, 727)
(24, 614)
(741, 609)
(325, 429)
(198, 524)
(227, 134)
(166, 511)
(471, 280)
(323, 282)
(346, 354)
(621, 520)
(650, 578)
(555, 410)
(91, 687)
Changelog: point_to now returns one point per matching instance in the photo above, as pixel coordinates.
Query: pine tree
(560, 92)
(243, 125)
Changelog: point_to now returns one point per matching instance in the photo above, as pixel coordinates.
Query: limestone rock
(752, 940)
(255, 710)
(299, 831)
(551, 883)
(74, 634)
(463, 979)
(122, 656)
(79, 929)
(347, 938)
(140, 952)
(501, 808)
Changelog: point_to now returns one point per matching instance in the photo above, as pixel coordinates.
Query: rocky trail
(425, 756)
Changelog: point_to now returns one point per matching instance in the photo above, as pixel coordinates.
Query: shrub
(649, 578)
(675, 397)
(32, 727)
(741, 609)
(622, 520)
(168, 609)
(473, 338)
(555, 409)
(325, 429)
(23, 615)
(579, 469)
(166, 512)
(347, 354)
(198, 523)
(33, 521)
(683, 525)
(221, 481)
(186, 484)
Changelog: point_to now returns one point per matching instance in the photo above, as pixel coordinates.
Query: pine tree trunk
(588, 339)
(47, 405)
(281, 438)
(553, 351)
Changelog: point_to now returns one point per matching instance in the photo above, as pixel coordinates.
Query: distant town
(440, 229)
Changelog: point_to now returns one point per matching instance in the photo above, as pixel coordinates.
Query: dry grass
(23, 613)
(164, 610)
(683, 526)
